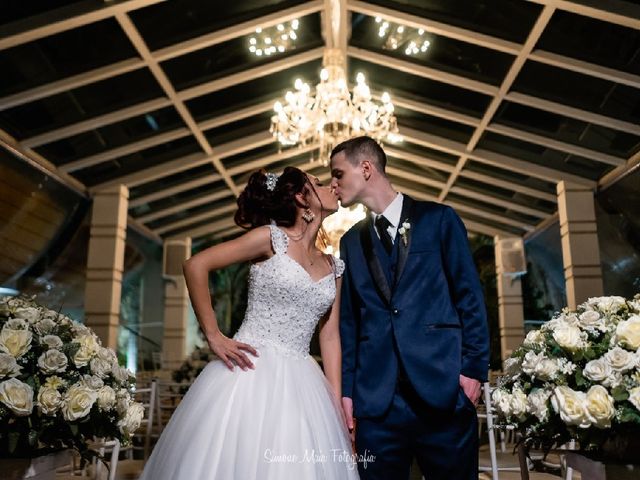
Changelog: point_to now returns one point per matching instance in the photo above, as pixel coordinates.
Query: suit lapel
(375, 268)
(403, 250)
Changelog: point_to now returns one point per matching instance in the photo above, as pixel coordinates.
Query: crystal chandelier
(330, 114)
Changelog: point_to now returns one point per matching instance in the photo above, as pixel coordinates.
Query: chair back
(111, 448)
(148, 397)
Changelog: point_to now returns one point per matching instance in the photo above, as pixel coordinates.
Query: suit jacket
(428, 314)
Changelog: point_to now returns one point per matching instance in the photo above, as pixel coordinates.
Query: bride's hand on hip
(231, 351)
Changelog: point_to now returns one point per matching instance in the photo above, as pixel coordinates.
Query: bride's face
(325, 195)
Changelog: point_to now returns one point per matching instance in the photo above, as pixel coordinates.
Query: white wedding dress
(279, 421)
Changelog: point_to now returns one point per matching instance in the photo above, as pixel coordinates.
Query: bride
(265, 410)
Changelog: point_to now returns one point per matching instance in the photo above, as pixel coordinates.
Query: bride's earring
(308, 216)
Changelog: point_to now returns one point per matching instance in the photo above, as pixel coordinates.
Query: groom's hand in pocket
(347, 408)
(471, 388)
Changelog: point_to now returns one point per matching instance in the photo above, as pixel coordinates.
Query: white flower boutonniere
(404, 231)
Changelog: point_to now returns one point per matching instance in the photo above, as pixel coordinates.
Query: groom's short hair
(362, 148)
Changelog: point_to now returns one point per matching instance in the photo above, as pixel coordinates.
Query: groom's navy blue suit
(411, 322)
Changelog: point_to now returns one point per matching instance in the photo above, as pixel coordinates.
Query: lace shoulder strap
(338, 266)
(279, 240)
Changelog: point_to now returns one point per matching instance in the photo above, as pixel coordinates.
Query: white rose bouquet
(192, 367)
(578, 377)
(58, 384)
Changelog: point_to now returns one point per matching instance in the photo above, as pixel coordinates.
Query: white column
(580, 248)
(176, 303)
(510, 309)
(105, 263)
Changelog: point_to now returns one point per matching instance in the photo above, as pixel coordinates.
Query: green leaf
(33, 438)
(13, 441)
(580, 380)
(74, 429)
(619, 394)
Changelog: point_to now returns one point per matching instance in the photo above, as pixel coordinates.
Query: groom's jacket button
(395, 311)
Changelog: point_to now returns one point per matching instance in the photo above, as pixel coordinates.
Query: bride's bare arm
(330, 345)
(253, 245)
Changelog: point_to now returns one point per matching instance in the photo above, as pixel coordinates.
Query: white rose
(106, 398)
(108, 355)
(534, 338)
(546, 369)
(88, 348)
(78, 402)
(15, 342)
(628, 332)
(502, 402)
(620, 359)
(52, 341)
(123, 400)
(591, 319)
(600, 406)
(8, 366)
(93, 382)
(571, 318)
(530, 361)
(537, 403)
(634, 397)
(552, 324)
(30, 314)
(518, 403)
(610, 304)
(53, 361)
(18, 396)
(45, 326)
(568, 337)
(49, 400)
(50, 314)
(16, 324)
(132, 419)
(80, 330)
(571, 406)
(100, 367)
(597, 370)
(121, 374)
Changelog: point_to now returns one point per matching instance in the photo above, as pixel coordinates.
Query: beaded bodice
(285, 303)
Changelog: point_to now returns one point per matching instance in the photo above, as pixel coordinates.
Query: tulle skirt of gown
(280, 421)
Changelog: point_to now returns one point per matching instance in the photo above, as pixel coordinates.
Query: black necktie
(382, 225)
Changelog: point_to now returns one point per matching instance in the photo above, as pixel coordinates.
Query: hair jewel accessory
(272, 180)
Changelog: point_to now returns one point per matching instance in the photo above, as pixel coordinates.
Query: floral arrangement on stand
(192, 367)
(59, 388)
(577, 377)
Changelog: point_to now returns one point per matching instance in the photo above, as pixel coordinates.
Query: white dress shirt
(392, 213)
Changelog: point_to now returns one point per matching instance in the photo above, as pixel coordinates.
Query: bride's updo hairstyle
(258, 204)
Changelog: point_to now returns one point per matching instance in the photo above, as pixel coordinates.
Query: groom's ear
(367, 169)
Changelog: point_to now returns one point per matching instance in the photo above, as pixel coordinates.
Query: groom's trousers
(445, 444)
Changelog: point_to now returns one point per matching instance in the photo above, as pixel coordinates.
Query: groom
(413, 325)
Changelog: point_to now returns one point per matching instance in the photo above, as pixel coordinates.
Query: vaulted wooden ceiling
(164, 97)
